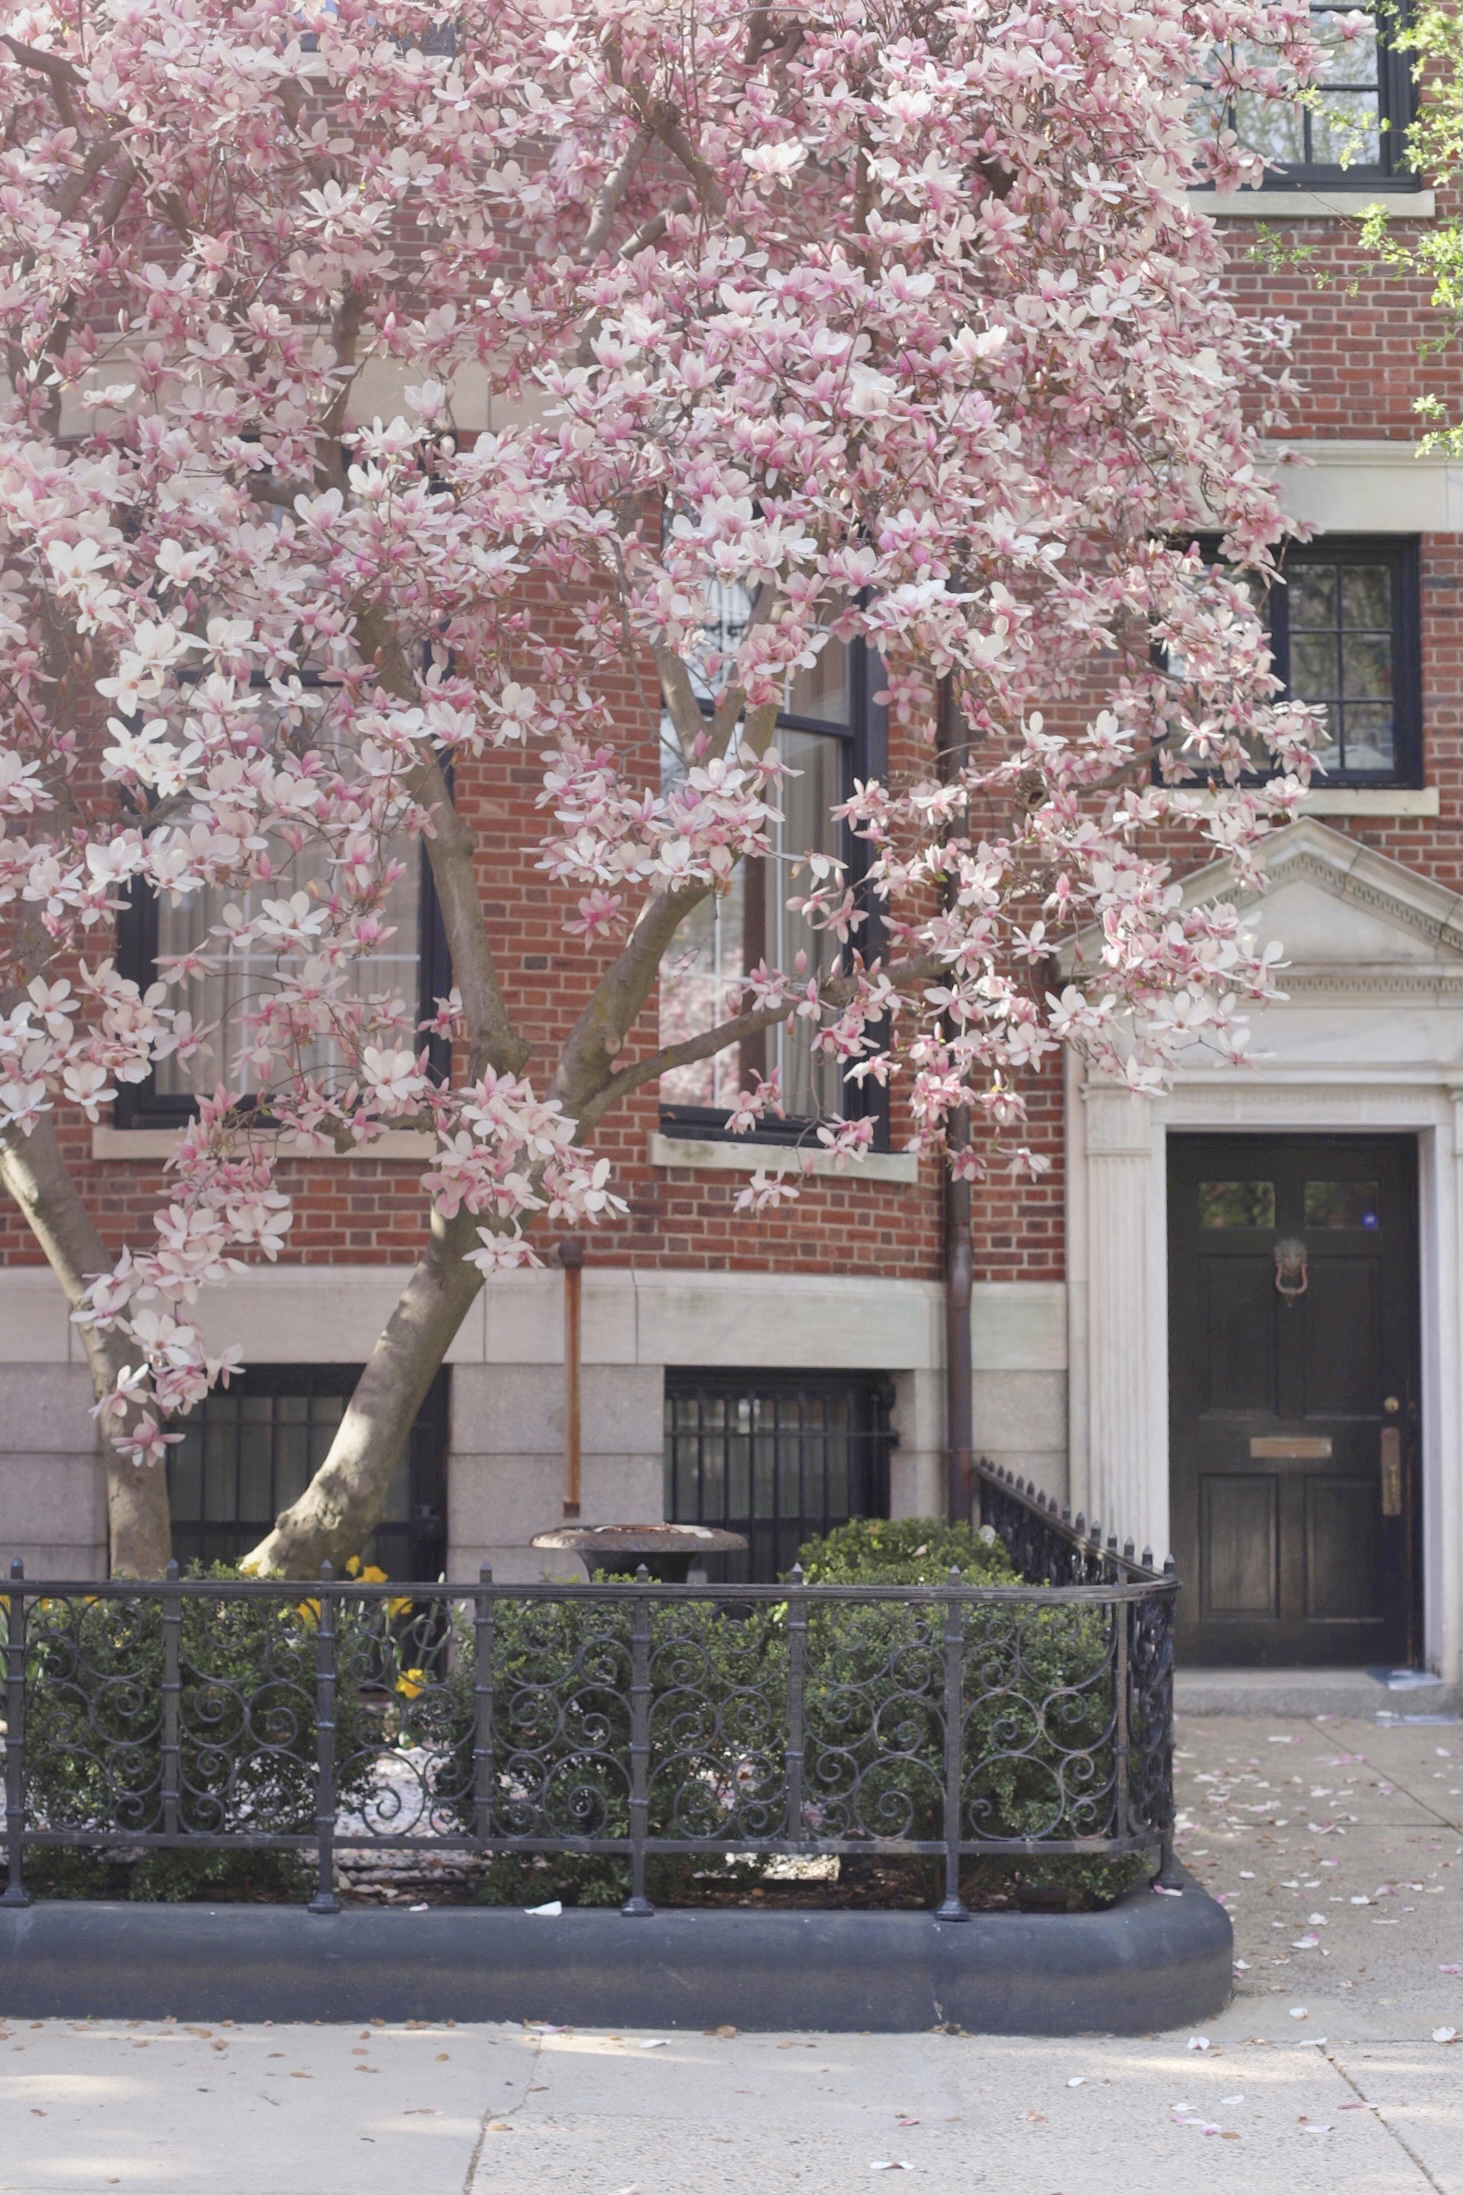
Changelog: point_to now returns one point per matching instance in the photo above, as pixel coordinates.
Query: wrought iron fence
(629, 1720)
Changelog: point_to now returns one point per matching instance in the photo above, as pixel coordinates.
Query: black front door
(1293, 1384)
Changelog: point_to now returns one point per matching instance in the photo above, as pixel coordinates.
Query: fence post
(952, 1907)
(637, 1903)
(172, 1693)
(15, 1892)
(482, 1704)
(1167, 1866)
(797, 1645)
(1122, 1622)
(325, 1900)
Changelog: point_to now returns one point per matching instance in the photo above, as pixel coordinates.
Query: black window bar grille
(780, 1458)
(251, 1449)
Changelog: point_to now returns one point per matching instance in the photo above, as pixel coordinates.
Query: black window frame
(414, 1550)
(864, 746)
(1402, 554)
(774, 1539)
(143, 1105)
(1396, 109)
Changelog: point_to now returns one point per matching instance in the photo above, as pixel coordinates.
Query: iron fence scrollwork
(634, 1721)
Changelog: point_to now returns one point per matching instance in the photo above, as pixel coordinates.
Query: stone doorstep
(1348, 1692)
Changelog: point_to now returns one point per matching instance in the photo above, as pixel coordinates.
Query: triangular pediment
(1330, 903)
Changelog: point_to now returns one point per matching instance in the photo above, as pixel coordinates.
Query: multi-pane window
(251, 1449)
(1349, 129)
(1344, 637)
(781, 1457)
(412, 965)
(825, 735)
(222, 996)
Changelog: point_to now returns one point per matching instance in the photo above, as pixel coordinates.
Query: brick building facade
(779, 1369)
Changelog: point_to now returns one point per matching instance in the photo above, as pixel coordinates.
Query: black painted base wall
(1148, 1963)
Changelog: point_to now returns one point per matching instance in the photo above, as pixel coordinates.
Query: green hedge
(1036, 1739)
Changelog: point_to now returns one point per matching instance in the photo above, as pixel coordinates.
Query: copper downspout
(571, 1257)
(959, 1417)
(959, 1414)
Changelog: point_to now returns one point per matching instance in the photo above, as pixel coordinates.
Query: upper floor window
(1344, 637)
(411, 964)
(829, 732)
(1349, 130)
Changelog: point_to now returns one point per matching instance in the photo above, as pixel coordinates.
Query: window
(1344, 636)
(251, 1449)
(778, 1456)
(1351, 131)
(414, 962)
(829, 733)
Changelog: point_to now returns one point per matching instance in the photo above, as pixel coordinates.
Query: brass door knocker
(1291, 1278)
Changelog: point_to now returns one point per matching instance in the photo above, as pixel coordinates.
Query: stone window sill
(153, 1144)
(703, 1155)
(1313, 205)
(1372, 800)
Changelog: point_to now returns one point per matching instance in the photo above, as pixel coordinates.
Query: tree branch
(651, 231)
(63, 75)
(612, 190)
(675, 140)
(492, 1040)
(35, 1172)
(686, 1054)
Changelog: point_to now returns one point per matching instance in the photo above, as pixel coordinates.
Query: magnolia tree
(893, 315)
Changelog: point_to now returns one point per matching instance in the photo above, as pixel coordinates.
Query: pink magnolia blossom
(900, 320)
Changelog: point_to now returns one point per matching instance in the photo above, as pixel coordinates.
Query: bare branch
(612, 190)
(492, 1039)
(117, 196)
(96, 159)
(834, 990)
(679, 696)
(686, 1054)
(344, 335)
(651, 231)
(63, 75)
(675, 140)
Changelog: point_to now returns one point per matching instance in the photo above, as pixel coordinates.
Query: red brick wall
(1359, 371)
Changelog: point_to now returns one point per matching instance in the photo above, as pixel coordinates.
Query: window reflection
(748, 923)
(240, 979)
(1236, 1204)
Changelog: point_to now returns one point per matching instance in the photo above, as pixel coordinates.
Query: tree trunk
(138, 1525)
(345, 1500)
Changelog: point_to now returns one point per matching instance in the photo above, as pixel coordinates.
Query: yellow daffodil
(353, 1567)
(412, 1683)
(372, 1576)
(398, 1607)
(308, 1611)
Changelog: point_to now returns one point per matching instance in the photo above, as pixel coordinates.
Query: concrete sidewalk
(1295, 1823)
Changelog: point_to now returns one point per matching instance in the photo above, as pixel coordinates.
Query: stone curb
(1147, 1963)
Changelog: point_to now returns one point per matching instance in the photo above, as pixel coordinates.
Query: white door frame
(1118, 1283)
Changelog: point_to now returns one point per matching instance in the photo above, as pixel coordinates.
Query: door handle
(1391, 1445)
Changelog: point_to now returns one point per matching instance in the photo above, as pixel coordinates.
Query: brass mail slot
(1391, 1471)
(1302, 1447)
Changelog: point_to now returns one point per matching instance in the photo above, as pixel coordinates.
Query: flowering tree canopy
(894, 315)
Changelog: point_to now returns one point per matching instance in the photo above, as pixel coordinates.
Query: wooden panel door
(1293, 1385)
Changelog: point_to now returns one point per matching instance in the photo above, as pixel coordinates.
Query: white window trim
(704, 1156)
(152, 1144)
(1265, 205)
